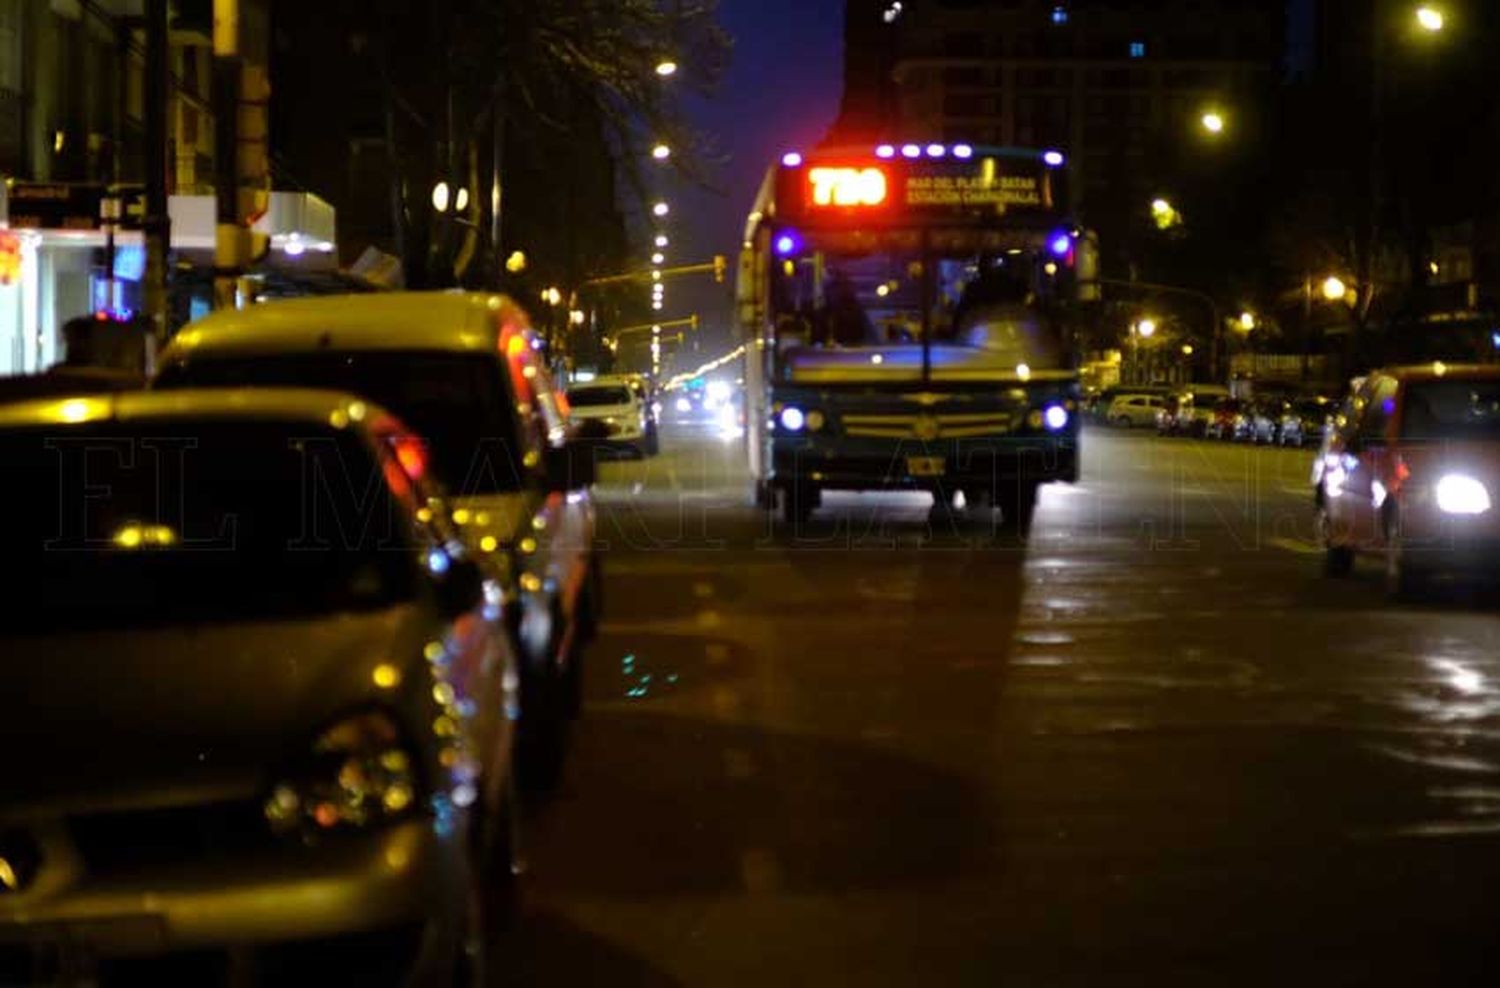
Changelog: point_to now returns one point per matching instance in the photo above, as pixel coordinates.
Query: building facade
(1117, 86)
(72, 128)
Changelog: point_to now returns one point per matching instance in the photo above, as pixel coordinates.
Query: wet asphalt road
(1153, 746)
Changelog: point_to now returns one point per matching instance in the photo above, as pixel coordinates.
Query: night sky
(781, 92)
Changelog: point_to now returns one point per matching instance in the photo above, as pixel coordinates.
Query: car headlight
(792, 419)
(683, 405)
(358, 774)
(1461, 495)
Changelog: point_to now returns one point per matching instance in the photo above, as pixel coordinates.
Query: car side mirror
(461, 588)
(571, 466)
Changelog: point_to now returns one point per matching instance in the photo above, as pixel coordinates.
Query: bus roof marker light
(911, 151)
(885, 151)
(791, 159)
(1053, 159)
(963, 151)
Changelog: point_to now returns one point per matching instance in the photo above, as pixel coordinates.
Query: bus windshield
(843, 295)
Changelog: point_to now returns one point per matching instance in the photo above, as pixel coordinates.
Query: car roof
(440, 321)
(292, 405)
(1443, 371)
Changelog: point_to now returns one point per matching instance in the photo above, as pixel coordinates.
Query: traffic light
(721, 268)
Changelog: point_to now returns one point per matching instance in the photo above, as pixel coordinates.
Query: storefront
(53, 259)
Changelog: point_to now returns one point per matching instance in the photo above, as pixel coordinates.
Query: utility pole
(230, 235)
(158, 221)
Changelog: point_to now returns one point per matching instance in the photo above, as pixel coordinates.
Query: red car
(1413, 474)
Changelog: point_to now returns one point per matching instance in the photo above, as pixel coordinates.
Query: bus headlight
(792, 419)
(1461, 495)
(1055, 418)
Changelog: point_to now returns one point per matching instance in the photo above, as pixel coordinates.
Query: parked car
(1226, 420)
(1134, 411)
(1263, 420)
(256, 711)
(1413, 473)
(1305, 420)
(619, 409)
(462, 371)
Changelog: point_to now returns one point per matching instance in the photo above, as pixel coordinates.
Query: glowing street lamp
(661, 240)
(1430, 19)
(658, 257)
(660, 209)
(441, 195)
(1213, 122)
(1146, 328)
(661, 152)
(1247, 321)
(666, 68)
(1334, 289)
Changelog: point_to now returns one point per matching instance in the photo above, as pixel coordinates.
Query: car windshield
(459, 403)
(1452, 409)
(597, 397)
(197, 522)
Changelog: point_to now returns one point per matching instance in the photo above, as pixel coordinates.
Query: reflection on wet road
(1152, 746)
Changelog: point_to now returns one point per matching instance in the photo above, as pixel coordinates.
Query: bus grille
(927, 428)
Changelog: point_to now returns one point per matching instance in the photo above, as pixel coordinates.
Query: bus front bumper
(988, 464)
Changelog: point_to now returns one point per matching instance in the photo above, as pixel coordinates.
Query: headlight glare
(1458, 494)
(1055, 418)
(358, 774)
(792, 419)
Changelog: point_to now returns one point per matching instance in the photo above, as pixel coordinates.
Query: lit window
(1138, 49)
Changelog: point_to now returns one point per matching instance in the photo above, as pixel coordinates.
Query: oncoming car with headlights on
(1412, 475)
(263, 710)
(617, 408)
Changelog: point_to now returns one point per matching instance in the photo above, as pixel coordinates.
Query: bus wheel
(798, 501)
(1017, 508)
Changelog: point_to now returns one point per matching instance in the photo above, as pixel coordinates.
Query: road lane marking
(760, 870)
(1299, 546)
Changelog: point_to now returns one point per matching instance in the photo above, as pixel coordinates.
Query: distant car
(1226, 419)
(651, 403)
(268, 703)
(462, 371)
(1413, 474)
(618, 408)
(1134, 411)
(1263, 420)
(1304, 421)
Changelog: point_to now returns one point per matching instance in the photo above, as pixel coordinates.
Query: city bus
(906, 311)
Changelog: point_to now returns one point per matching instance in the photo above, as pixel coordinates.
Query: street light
(660, 209)
(661, 240)
(440, 197)
(1213, 122)
(1247, 321)
(1430, 19)
(658, 257)
(1334, 289)
(1187, 349)
(461, 203)
(1165, 214)
(516, 262)
(666, 67)
(1146, 328)
(661, 152)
